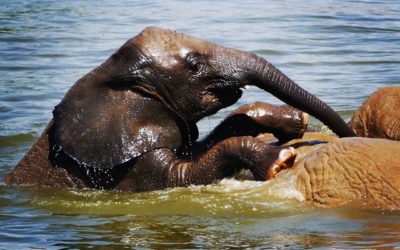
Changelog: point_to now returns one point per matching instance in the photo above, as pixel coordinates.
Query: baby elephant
(130, 124)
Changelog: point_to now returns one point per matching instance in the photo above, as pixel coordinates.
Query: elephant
(130, 124)
(332, 172)
(379, 115)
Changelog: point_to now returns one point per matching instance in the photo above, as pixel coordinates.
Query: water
(340, 51)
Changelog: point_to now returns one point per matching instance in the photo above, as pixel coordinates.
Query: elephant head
(191, 78)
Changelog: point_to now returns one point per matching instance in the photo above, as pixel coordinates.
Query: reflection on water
(339, 50)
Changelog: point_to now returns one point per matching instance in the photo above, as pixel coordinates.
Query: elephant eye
(194, 61)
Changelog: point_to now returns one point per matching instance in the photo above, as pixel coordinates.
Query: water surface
(340, 51)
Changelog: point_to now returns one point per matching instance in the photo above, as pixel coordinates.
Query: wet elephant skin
(130, 123)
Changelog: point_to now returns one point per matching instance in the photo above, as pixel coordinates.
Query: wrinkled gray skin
(349, 171)
(130, 124)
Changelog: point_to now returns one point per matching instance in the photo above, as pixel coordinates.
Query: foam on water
(229, 196)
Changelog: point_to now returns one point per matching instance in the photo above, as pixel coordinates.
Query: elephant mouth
(227, 94)
(221, 85)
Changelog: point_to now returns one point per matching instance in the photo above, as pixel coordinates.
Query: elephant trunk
(267, 77)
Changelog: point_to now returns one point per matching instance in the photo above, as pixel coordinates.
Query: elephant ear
(102, 124)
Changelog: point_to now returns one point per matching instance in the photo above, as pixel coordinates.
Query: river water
(340, 51)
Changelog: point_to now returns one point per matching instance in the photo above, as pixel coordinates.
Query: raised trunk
(265, 76)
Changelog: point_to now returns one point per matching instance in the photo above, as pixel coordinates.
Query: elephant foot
(284, 122)
(292, 124)
(285, 160)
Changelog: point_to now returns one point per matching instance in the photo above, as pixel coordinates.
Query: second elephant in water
(379, 116)
(333, 172)
(130, 124)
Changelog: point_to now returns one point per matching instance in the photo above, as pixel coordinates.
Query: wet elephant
(362, 172)
(379, 116)
(130, 124)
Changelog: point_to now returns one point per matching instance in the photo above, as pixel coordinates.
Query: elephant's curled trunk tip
(271, 79)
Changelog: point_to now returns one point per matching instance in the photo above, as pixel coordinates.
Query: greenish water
(340, 51)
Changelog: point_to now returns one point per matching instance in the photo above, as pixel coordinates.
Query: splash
(229, 197)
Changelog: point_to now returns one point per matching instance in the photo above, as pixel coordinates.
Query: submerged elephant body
(348, 171)
(45, 167)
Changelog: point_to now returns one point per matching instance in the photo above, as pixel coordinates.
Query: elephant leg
(162, 168)
(284, 122)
